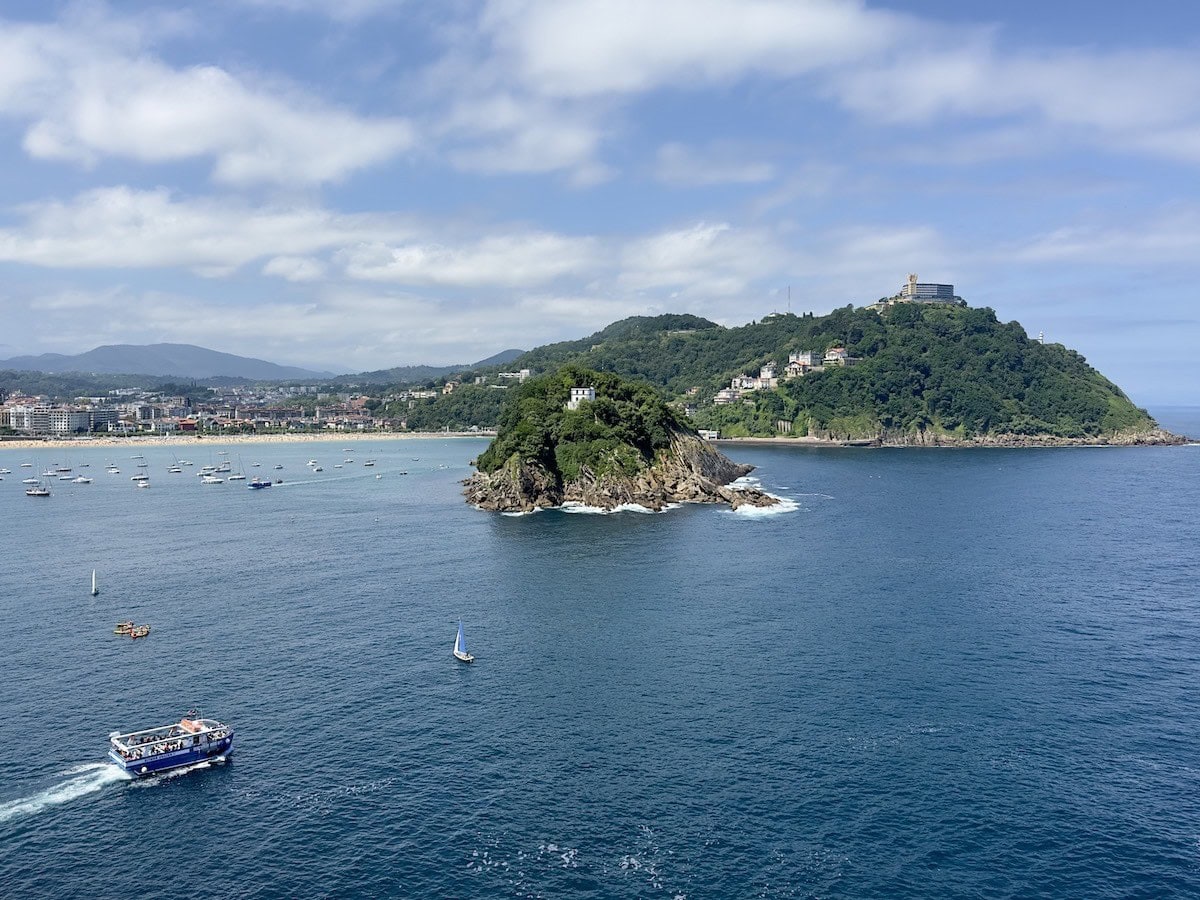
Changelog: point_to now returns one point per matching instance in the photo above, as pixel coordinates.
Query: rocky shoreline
(1156, 437)
(691, 471)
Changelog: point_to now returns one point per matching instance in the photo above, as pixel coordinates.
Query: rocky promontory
(690, 471)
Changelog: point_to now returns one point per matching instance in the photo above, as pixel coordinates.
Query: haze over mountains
(190, 361)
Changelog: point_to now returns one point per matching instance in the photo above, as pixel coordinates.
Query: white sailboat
(95, 590)
(460, 646)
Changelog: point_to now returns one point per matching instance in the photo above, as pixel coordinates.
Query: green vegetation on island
(619, 432)
(581, 436)
(911, 369)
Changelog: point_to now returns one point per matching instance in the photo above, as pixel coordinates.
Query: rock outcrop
(690, 471)
(1142, 438)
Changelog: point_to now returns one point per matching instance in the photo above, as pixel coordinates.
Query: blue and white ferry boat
(152, 750)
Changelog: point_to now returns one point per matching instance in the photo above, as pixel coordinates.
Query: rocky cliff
(690, 470)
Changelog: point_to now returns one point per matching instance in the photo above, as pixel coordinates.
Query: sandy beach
(191, 440)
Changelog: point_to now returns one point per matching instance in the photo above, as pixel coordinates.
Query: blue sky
(367, 183)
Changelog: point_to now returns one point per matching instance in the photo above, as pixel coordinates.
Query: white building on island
(581, 395)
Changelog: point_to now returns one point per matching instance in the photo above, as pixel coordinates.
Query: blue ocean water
(939, 673)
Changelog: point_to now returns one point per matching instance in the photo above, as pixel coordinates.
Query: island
(604, 441)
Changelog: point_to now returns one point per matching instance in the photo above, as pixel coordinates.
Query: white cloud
(589, 47)
(721, 163)
(124, 228)
(505, 260)
(295, 268)
(1172, 238)
(92, 95)
(703, 260)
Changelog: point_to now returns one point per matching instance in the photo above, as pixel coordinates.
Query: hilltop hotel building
(926, 293)
(913, 291)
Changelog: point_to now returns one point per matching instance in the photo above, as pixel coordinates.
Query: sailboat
(95, 590)
(460, 646)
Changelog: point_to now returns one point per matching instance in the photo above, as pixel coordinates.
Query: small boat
(259, 483)
(237, 476)
(124, 627)
(29, 481)
(144, 484)
(38, 491)
(190, 740)
(460, 645)
(95, 588)
(186, 462)
(139, 631)
(112, 470)
(26, 465)
(174, 470)
(5, 471)
(140, 476)
(337, 465)
(82, 479)
(369, 462)
(278, 466)
(318, 469)
(211, 479)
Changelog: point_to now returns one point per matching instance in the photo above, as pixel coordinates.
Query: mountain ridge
(159, 360)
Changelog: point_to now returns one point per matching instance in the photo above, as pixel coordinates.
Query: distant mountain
(173, 360)
(415, 374)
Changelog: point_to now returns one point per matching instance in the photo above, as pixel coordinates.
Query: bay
(938, 673)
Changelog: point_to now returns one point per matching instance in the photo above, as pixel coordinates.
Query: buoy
(143, 770)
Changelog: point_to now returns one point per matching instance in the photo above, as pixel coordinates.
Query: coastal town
(234, 410)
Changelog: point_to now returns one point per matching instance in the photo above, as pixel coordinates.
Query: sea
(926, 673)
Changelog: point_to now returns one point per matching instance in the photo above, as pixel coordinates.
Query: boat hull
(163, 762)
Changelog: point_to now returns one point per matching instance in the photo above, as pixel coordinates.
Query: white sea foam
(577, 508)
(172, 773)
(83, 780)
(785, 505)
(746, 481)
(526, 512)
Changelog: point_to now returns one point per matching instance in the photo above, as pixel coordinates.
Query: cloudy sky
(358, 184)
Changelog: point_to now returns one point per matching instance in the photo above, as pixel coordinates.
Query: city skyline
(366, 184)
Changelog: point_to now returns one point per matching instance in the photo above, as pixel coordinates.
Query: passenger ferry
(153, 750)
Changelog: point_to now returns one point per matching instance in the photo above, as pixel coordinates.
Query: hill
(624, 445)
(915, 373)
(421, 374)
(160, 360)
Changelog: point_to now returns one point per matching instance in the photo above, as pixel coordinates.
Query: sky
(359, 184)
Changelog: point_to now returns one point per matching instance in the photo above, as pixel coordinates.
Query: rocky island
(580, 436)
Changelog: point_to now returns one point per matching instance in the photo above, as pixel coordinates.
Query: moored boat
(138, 631)
(259, 483)
(151, 750)
(124, 627)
